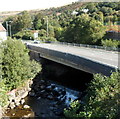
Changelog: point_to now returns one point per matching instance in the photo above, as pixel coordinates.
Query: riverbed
(49, 101)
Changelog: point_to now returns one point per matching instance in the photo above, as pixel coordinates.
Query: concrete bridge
(90, 60)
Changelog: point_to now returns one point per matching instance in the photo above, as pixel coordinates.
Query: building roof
(113, 28)
(2, 28)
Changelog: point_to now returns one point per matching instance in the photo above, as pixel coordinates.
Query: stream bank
(45, 99)
(51, 91)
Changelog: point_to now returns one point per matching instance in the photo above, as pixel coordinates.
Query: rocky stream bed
(46, 99)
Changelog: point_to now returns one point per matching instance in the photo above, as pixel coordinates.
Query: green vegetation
(3, 94)
(85, 30)
(101, 101)
(84, 23)
(110, 43)
(16, 67)
(25, 34)
(78, 23)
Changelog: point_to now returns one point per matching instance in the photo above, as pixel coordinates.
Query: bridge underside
(71, 60)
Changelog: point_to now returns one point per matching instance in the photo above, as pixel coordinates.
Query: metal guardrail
(89, 46)
(83, 45)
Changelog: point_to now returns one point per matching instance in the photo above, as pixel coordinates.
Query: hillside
(73, 6)
(6, 14)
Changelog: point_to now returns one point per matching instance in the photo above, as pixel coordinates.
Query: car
(36, 42)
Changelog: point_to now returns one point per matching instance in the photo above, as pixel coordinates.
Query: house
(3, 33)
(113, 32)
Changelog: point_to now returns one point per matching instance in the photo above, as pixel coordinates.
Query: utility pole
(7, 27)
(10, 29)
(47, 26)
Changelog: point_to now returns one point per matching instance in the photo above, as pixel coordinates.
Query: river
(49, 98)
(44, 106)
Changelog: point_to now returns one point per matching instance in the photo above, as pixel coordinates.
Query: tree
(16, 64)
(101, 101)
(25, 35)
(38, 21)
(22, 21)
(84, 29)
(91, 7)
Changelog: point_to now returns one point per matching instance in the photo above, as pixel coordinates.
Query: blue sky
(18, 5)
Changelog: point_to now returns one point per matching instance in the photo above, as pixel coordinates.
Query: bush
(16, 64)
(110, 43)
(47, 39)
(25, 35)
(102, 100)
(3, 94)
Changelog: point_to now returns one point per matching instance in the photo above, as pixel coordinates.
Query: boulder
(26, 106)
(12, 105)
(55, 93)
(32, 93)
(42, 87)
(50, 97)
(22, 101)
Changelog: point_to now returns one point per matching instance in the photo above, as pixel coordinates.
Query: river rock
(50, 97)
(32, 93)
(63, 92)
(42, 92)
(24, 94)
(42, 81)
(22, 101)
(26, 106)
(42, 87)
(59, 112)
(53, 86)
(49, 88)
(55, 93)
(39, 98)
(12, 105)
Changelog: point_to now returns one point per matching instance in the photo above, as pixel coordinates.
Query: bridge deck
(101, 56)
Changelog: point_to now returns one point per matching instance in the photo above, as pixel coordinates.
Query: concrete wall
(3, 35)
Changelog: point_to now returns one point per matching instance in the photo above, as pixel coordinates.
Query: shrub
(25, 35)
(3, 92)
(47, 39)
(110, 43)
(16, 64)
(3, 96)
(102, 100)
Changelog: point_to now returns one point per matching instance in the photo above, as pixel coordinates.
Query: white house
(3, 33)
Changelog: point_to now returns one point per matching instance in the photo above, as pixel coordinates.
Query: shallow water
(43, 107)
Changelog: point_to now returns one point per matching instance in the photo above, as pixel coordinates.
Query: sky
(20, 5)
